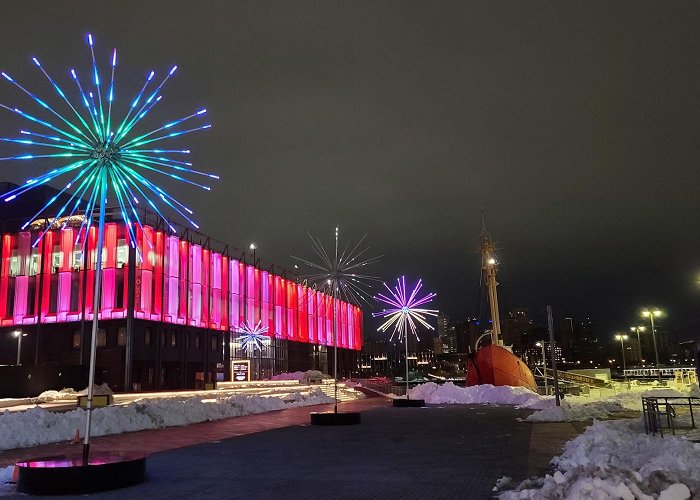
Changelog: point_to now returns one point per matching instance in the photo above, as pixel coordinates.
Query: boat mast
(489, 264)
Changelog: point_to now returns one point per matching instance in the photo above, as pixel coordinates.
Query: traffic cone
(76, 439)
(15, 474)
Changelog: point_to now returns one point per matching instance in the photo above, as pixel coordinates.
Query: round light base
(332, 418)
(408, 403)
(63, 475)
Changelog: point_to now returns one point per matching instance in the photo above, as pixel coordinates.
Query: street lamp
(19, 336)
(651, 312)
(544, 366)
(622, 338)
(639, 342)
(252, 248)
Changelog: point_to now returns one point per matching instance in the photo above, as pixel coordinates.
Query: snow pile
(39, 426)
(613, 460)
(434, 393)
(303, 377)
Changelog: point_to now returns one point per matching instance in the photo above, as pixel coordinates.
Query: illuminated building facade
(170, 310)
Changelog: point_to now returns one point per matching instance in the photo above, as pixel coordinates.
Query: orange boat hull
(498, 366)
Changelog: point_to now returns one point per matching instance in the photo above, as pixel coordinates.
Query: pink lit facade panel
(176, 282)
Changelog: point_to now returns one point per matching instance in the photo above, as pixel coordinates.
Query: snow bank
(434, 393)
(39, 426)
(613, 460)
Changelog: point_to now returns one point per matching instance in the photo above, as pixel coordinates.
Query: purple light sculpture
(404, 312)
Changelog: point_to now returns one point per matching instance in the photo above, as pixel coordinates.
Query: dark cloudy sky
(575, 124)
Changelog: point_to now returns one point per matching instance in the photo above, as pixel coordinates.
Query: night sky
(575, 125)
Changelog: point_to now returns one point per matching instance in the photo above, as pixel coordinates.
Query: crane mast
(489, 265)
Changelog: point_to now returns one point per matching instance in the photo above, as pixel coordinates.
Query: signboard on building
(240, 370)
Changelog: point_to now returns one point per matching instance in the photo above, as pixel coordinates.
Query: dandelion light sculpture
(252, 338)
(405, 313)
(99, 157)
(340, 275)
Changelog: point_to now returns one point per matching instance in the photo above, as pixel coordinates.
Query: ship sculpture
(494, 363)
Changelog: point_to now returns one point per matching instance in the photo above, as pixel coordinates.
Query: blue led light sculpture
(101, 156)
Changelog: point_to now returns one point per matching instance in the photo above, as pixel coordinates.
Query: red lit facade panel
(302, 319)
(278, 304)
(234, 294)
(176, 282)
(265, 307)
(205, 298)
(311, 309)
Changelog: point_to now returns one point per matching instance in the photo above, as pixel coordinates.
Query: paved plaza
(443, 451)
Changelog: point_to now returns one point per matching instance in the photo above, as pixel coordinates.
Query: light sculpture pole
(639, 340)
(102, 156)
(19, 336)
(651, 312)
(622, 338)
(403, 312)
(340, 274)
(544, 366)
(253, 247)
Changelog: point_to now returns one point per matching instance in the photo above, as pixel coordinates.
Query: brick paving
(438, 452)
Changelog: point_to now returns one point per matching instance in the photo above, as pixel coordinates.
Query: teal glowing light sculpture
(99, 156)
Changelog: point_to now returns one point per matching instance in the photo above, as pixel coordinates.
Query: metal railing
(663, 412)
(383, 387)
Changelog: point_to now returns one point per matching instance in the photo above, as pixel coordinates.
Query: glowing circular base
(408, 403)
(62, 475)
(332, 418)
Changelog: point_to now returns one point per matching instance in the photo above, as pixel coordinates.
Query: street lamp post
(253, 247)
(19, 336)
(639, 341)
(544, 366)
(650, 313)
(622, 338)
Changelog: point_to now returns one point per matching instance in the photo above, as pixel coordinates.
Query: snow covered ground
(39, 426)
(617, 460)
